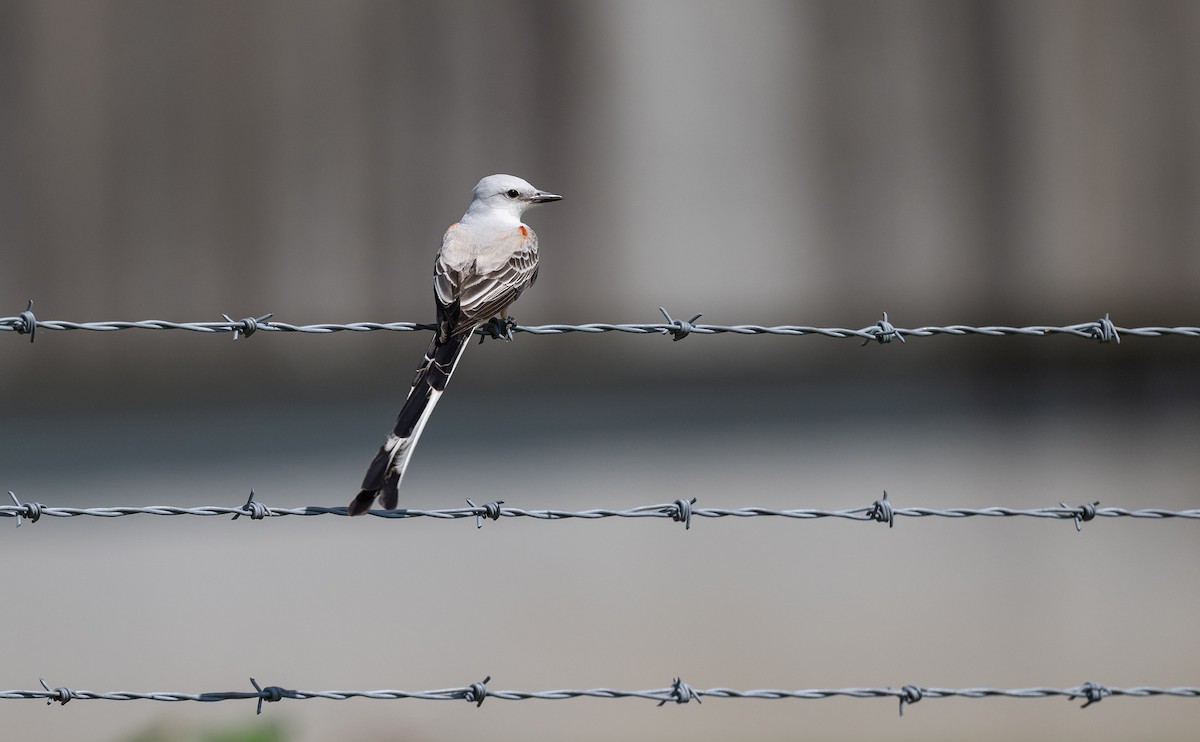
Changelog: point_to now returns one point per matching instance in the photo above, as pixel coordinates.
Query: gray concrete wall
(800, 163)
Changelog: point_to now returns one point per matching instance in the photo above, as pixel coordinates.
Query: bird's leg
(508, 324)
(501, 326)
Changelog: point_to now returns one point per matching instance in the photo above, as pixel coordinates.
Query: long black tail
(387, 469)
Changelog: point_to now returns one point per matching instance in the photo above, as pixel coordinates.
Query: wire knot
(476, 692)
(1093, 692)
(255, 509)
(62, 695)
(270, 694)
(30, 510)
(1082, 514)
(910, 694)
(881, 511)
(1105, 331)
(28, 325)
(678, 329)
(490, 510)
(680, 692)
(682, 512)
(247, 326)
(883, 331)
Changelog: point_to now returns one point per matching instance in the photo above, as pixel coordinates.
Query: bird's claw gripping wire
(498, 328)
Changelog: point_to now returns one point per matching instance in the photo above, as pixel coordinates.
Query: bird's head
(506, 196)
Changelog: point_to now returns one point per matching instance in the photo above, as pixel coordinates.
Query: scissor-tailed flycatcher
(487, 259)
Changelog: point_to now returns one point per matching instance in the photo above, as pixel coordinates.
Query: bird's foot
(499, 328)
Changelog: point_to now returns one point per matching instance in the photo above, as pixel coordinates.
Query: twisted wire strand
(678, 692)
(882, 331)
(680, 511)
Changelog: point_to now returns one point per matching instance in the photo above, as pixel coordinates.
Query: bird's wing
(485, 285)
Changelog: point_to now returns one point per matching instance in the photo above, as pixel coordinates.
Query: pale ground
(192, 605)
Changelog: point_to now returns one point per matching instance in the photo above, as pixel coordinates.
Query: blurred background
(766, 163)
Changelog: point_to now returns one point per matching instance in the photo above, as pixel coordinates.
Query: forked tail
(387, 469)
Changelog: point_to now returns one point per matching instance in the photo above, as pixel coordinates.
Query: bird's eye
(511, 193)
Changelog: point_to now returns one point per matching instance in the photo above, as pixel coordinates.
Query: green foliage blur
(256, 731)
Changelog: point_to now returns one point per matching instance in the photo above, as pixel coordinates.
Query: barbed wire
(883, 331)
(678, 692)
(680, 511)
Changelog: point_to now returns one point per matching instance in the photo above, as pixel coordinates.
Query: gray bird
(486, 260)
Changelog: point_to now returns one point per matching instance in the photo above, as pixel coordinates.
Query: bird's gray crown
(505, 197)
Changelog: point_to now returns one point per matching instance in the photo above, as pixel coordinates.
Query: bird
(487, 259)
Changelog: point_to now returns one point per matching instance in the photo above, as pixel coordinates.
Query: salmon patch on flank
(524, 230)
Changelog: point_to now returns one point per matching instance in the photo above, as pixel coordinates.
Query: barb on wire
(1105, 331)
(679, 511)
(255, 509)
(62, 695)
(246, 326)
(477, 692)
(678, 329)
(1083, 513)
(489, 510)
(1093, 692)
(683, 512)
(883, 331)
(20, 510)
(681, 692)
(678, 692)
(881, 512)
(26, 323)
(270, 694)
(910, 694)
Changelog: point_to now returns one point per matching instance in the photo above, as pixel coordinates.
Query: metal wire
(677, 692)
(680, 511)
(882, 331)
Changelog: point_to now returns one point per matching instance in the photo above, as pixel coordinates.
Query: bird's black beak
(542, 197)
